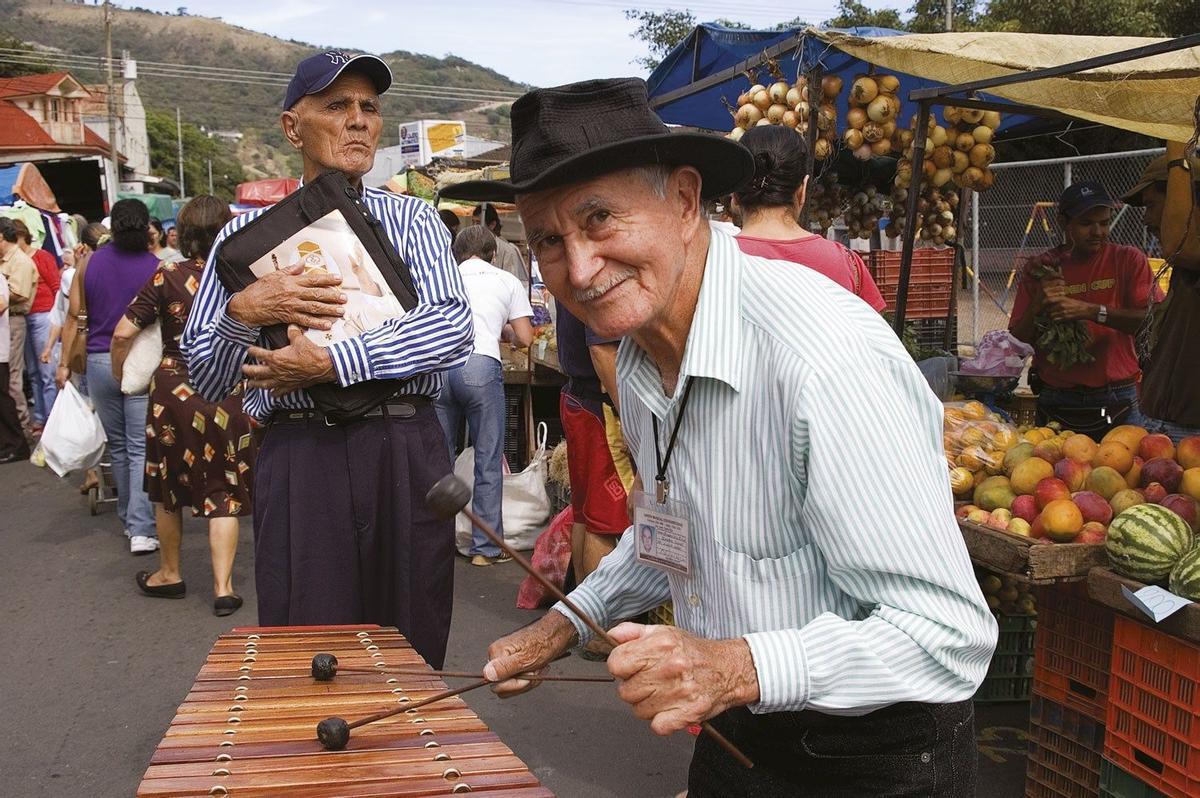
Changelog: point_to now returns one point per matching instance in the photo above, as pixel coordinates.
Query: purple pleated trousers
(341, 531)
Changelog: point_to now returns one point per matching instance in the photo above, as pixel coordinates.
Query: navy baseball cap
(315, 73)
(1079, 198)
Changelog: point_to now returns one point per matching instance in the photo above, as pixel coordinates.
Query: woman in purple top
(114, 275)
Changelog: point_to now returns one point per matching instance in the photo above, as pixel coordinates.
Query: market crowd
(716, 381)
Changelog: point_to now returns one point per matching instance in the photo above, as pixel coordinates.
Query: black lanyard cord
(661, 476)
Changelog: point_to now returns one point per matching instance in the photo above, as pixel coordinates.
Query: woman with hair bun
(769, 207)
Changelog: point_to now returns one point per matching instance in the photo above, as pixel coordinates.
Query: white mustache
(599, 289)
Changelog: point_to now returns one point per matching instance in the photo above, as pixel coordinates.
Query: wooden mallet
(450, 496)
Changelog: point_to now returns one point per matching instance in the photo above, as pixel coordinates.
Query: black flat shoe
(175, 590)
(227, 605)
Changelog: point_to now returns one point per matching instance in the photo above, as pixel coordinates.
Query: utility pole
(112, 109)
(210, 185)
(179, 139)
(949, 15)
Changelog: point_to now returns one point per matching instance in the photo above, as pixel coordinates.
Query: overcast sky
(540, 42)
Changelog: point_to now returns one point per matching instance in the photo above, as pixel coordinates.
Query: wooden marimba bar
(248, 727)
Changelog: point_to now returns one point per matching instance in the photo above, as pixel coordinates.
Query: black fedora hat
(582, 130)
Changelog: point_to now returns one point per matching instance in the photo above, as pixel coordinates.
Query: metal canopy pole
(814, 89)
(910, 215)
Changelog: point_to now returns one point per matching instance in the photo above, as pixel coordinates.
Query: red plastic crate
(1073, 649)
(929, 281)
(1065, 752)
(1154, 708)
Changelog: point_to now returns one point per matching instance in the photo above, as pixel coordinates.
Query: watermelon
(1145, 541)
(1185, 576)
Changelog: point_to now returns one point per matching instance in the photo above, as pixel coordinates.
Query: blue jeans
(1176, 432)
(124, 420)
(475, 391)
(1092, 411)
(41, 375)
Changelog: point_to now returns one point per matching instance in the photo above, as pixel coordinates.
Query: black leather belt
(397, 407)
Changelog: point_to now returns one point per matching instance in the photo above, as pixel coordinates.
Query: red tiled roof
(19, 130)
(32, 84)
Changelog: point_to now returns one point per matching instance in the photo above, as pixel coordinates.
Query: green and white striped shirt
(821, 521)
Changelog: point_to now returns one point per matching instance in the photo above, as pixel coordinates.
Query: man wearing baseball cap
(1104, 285)
(1170, 190)
(837, 652)
(342, 534)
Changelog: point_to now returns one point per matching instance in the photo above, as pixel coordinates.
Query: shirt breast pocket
(769, 593)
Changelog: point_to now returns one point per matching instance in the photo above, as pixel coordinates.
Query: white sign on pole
(426, 139)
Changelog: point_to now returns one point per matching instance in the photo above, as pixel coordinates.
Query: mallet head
(448, 496)
(324, 667)
(333, 733)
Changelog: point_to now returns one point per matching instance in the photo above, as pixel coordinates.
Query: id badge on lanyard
(660, 523)
(662, 533)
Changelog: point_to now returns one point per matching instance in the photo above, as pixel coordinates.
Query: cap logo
(337, 57)
(1085, 191)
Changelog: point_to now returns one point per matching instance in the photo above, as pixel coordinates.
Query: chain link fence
(1018, 217)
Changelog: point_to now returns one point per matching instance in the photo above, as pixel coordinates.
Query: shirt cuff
(350, 362)
(230, 329)
(782, 667)
(590, 602)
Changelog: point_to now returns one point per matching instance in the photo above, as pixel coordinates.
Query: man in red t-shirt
(1107, 287)
(41, 375)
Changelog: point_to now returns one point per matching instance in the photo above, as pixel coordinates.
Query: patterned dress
(198, 454)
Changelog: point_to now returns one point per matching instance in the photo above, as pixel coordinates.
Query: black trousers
(341, 531)
(12, 437)
(910, 750)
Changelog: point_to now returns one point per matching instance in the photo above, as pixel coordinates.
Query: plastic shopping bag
(526, 502)
(551, 557)
(73, 437)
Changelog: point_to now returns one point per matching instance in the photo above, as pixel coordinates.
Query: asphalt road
(92, 671)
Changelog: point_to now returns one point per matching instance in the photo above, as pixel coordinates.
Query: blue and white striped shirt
(433, 337)
(821, 524)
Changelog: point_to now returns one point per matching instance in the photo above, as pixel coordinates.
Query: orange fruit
(1115, 455)
(1127, 434)
(1080, 448)
(1189, 485)
(1062, 520)
(1029, 473)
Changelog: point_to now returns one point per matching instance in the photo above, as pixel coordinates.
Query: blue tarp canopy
(711, 49)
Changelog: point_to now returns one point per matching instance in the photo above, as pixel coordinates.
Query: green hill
(74, 29)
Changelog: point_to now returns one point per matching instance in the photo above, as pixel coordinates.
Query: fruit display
(1056, 486)
(782, 103)
(1185, 576)
(1006, 595)
(1147, 541)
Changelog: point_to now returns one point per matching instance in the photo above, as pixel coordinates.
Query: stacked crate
(1072, 649)
(1154, 710)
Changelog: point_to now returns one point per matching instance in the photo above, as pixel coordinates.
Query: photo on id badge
(329, 244)
(662, 534)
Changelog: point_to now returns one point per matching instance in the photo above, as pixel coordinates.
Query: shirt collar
(713, 348)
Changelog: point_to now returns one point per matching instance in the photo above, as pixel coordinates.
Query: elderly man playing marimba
(342, 533)
(829, 623)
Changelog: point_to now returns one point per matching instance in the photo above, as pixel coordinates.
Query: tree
(18, 66)
(661, 31)
(853, 14)
(1077, 17)
(929, 16)
(198, 150)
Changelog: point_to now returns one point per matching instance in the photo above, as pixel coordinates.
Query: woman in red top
(41, 375)
(770, 205)
(1107, 287)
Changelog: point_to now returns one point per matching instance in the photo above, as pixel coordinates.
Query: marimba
(248, 727)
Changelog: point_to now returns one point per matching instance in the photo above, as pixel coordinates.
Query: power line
(246, 77)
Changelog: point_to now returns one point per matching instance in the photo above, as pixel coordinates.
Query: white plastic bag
(74, 437)
(526, 506)
(144, 357)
